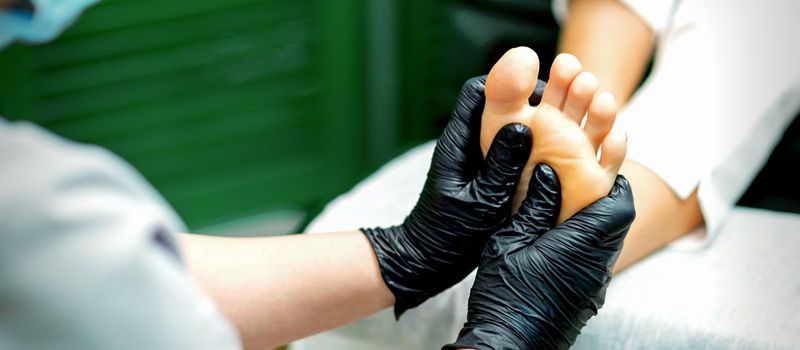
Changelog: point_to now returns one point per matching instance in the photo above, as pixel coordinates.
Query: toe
(602, 113)
(613, 152)
(580, 95)
(564, 70)
(512, 79)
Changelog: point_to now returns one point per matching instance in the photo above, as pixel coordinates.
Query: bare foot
(558, 138)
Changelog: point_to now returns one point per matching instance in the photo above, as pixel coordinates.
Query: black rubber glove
(465, 199)
(537, 285)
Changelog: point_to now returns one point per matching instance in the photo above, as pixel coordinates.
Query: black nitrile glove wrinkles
(536, 285)
(465, 199)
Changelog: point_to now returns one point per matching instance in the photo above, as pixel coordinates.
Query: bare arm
(661, 216)
(279, 289)
(613, 43)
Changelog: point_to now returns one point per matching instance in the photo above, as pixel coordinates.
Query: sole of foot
(570, 127)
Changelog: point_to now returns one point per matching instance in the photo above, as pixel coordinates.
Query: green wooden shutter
(237, 108)
(445, 42)
(230, 108)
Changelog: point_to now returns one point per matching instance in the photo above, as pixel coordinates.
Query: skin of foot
(561, 136)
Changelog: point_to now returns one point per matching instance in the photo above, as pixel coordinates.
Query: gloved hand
(536, 285)
(465, 199)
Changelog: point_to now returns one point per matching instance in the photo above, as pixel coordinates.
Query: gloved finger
(590, 242)
(607, 217)
(458, 156)
(504, 163)
(539, 210)
(538, 91)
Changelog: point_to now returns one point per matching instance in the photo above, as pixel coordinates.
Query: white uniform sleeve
(724, 86)
(655, 13)
(88, 258)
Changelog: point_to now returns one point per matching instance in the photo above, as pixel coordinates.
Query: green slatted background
(445, 42)
(237, 108)
(230, 108)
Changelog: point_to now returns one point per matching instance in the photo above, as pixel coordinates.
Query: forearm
(611, 41)
(615, 44)
(279, 289)
(661, 216)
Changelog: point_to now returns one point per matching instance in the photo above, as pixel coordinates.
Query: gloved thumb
(539, 210)
(503, 166)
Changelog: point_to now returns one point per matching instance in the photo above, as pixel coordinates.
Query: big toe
(512, 80)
